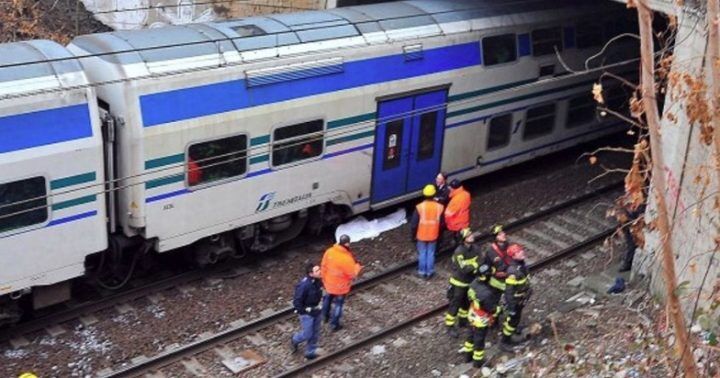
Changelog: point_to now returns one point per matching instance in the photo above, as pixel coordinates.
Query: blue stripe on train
(28, 130)
(187, 103)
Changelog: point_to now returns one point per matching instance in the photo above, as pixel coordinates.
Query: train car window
(499, 49)
(23, 203)
(216, 160)
(297, 142)
(544, 41)
(426, 136)
(499, 132)
(539, 121)
(393, 144)
(588, 34)
(581, 110)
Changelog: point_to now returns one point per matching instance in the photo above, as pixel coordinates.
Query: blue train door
(408, 144)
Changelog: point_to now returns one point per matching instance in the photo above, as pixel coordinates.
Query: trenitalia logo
(264, 202)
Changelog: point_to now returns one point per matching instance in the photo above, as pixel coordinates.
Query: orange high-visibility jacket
(337, 269)
(457, 213)
(429, 213)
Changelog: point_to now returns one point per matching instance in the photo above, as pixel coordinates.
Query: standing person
(306, 300)
(628, 215)
(457, 212)
(516, 294)
(442, 189)
(465, 262)
(338, 269)
(425, 226)
(483, 313)
(498, 258)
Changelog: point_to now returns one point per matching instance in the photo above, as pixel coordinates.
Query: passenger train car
(236, 136)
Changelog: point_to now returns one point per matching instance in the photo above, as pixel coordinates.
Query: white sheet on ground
(361, 228)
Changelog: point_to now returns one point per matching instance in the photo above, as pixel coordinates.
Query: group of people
(445, 208)
(486, 283)
(336, 272)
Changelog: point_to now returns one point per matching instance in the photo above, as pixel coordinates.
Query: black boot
(467, 356)
(463, 322)
(479, 363)
(507, 344)
(452, 331)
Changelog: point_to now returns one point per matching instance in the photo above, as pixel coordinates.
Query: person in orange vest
(425, 225)
(338, 269)
(457, 212)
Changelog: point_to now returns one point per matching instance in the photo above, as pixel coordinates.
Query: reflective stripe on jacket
(429, 213)
(457, 213)
(338, 268)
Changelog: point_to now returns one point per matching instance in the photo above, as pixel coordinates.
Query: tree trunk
(648, 91)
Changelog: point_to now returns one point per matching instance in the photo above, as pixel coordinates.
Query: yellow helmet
(496, 229)
(27, 375)
(429, 190)
(465, 232)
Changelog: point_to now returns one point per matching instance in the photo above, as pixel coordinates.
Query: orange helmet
(516, 251)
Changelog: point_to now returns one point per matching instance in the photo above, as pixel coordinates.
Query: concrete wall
(691, 180)
(139, 14)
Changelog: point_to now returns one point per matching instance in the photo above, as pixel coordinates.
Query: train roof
(24, 61)
(376, 22)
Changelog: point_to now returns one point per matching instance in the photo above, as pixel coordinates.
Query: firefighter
(465, 261)
(516, 294)
(457, 212)
(425, 226)
(498, 258)
(483, 312)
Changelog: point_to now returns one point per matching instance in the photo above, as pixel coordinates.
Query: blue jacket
(308, 293)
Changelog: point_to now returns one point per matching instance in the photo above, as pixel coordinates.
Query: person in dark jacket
(442, 190)
(516, 295)
(308, 293)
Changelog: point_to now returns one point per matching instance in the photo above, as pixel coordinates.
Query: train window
(216, 160)
(588, 34)
(581, 110)
(499, 49)
(544, 41)
(393, 144)
(23, 203)
(426, 136)
(539, 121)
(499, 132)
(297, 142)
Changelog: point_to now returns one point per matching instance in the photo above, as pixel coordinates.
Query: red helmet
(516, 251)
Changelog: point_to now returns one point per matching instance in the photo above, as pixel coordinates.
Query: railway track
(134, 291)
(571, 226)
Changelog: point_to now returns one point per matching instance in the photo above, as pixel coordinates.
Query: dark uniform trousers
(482, 314)
(465, 264)
(516, 294)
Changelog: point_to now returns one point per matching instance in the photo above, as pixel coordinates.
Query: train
(233, 137)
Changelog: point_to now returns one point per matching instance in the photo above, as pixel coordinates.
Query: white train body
(246, 131)
(50, 148)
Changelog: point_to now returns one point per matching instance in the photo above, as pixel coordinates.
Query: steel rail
(337, 354)
(203, 344)
(88, 307)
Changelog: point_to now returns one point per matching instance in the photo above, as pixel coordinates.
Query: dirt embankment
(57, 20)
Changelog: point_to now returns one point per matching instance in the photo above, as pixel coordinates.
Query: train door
(408, 144)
